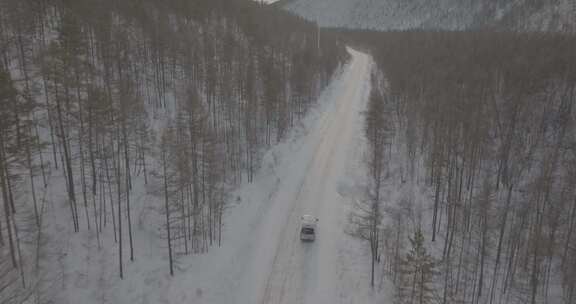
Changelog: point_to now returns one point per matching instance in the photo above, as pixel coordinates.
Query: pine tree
(417, 272)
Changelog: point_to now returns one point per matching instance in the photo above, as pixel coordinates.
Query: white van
(308, 228)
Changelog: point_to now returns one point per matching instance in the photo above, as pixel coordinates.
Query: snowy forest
(170, 151)
(112, 110)
(471, 164)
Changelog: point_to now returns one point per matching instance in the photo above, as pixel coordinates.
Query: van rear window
(308, 230)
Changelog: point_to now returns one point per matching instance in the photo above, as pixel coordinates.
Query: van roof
(310, 226)
(308, 218)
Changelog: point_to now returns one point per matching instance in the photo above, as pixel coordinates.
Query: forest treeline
(100, 99)
(483, 123)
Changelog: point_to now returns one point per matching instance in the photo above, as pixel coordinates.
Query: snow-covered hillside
(439, 96)
(551, 15)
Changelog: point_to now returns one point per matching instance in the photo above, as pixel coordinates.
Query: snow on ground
(261, 259)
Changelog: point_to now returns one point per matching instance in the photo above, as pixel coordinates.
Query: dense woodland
(478, 132)
(100, 99)
(106, 105)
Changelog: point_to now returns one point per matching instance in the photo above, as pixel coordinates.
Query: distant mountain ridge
(521, 15)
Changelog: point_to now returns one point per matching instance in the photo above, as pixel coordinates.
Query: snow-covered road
(308, 272)
(263, 259)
